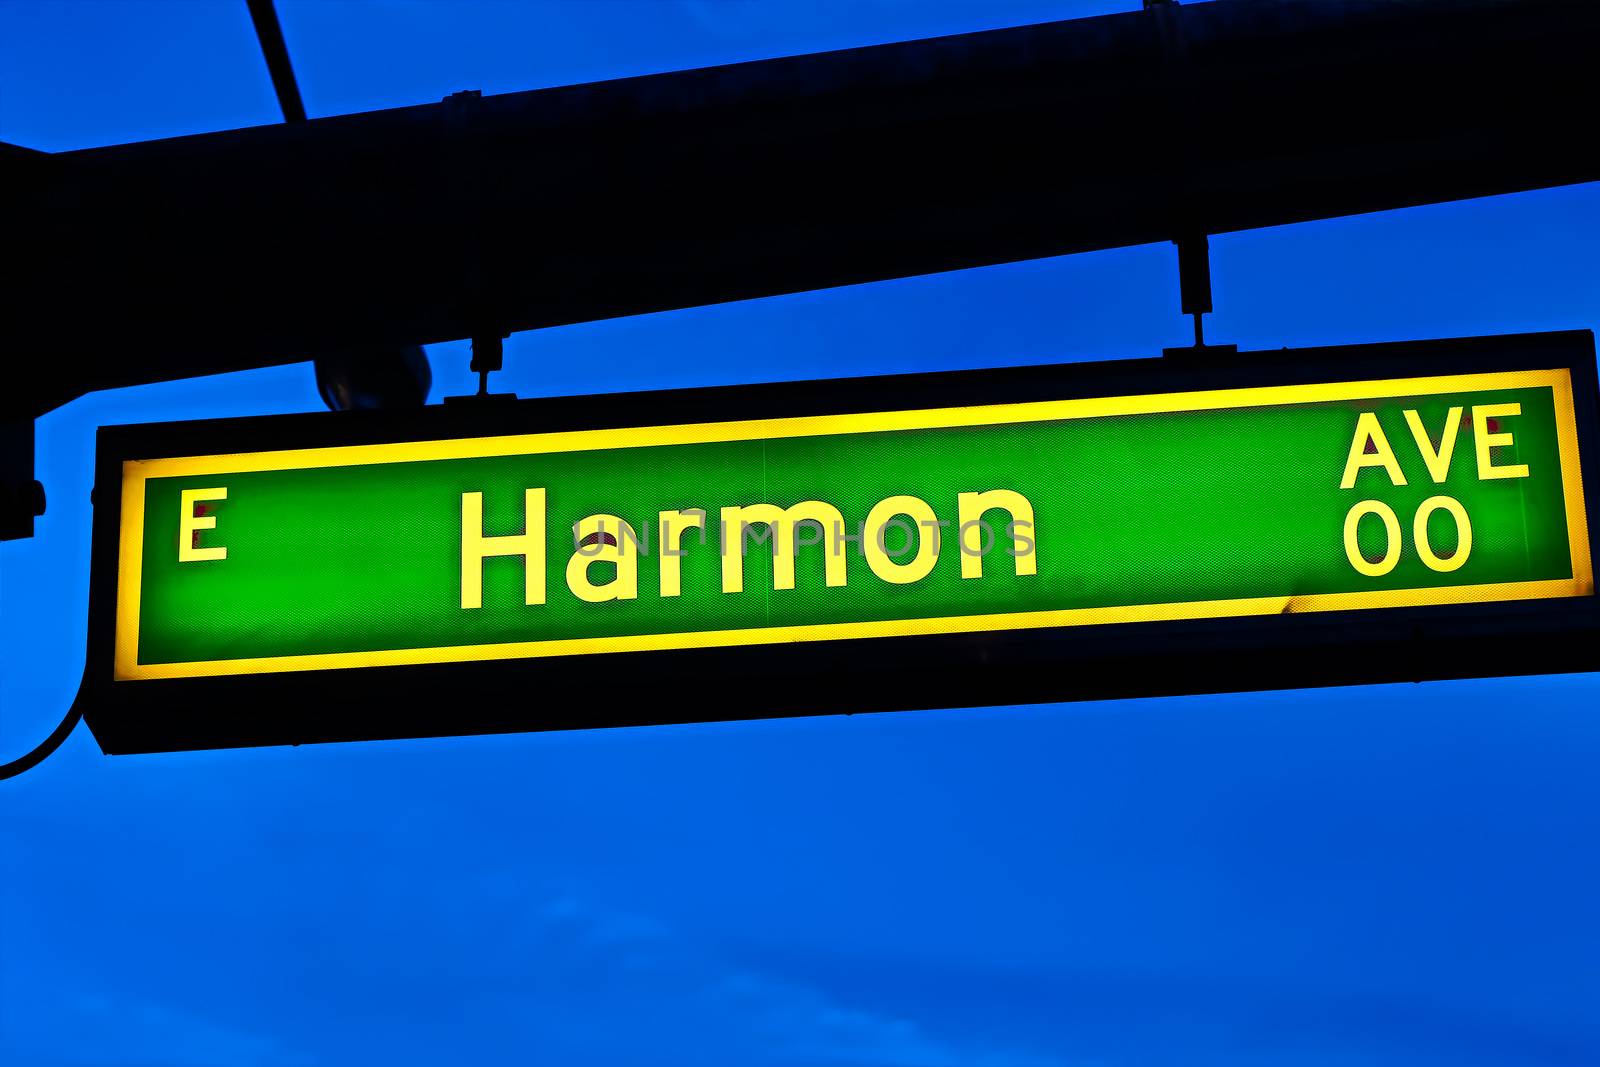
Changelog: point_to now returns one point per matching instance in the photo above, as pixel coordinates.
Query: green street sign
(1433, 486)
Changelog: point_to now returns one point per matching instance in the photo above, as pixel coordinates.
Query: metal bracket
(21, 494)
(1194, 293)
(466, 181)
(488, 355)
(1184, 121)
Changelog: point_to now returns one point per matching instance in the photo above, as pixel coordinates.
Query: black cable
(268, 31)
(47, 746)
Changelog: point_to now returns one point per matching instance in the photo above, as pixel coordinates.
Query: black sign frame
(846, 676)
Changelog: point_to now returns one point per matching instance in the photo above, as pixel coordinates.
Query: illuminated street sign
(1041, 533)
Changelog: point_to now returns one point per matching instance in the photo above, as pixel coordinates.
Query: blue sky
(1384, 875)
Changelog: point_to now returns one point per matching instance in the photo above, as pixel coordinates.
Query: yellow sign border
(135, 473)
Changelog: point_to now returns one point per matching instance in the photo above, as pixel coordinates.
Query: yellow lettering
(1438, 461)
(1368, 430)
(475, 547)
(1419, 530)
(604, 539)
(781, 524)
(924, 526)
(674, 524)
(189, 525)
(970, 510)
(1352, 547)
(1486, 441)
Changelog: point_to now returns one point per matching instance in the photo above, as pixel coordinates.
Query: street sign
(1152, 526)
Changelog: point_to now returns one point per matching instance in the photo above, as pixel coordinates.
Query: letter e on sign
(190, 523)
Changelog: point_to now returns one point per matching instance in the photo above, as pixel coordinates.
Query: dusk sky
(1392, 875)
